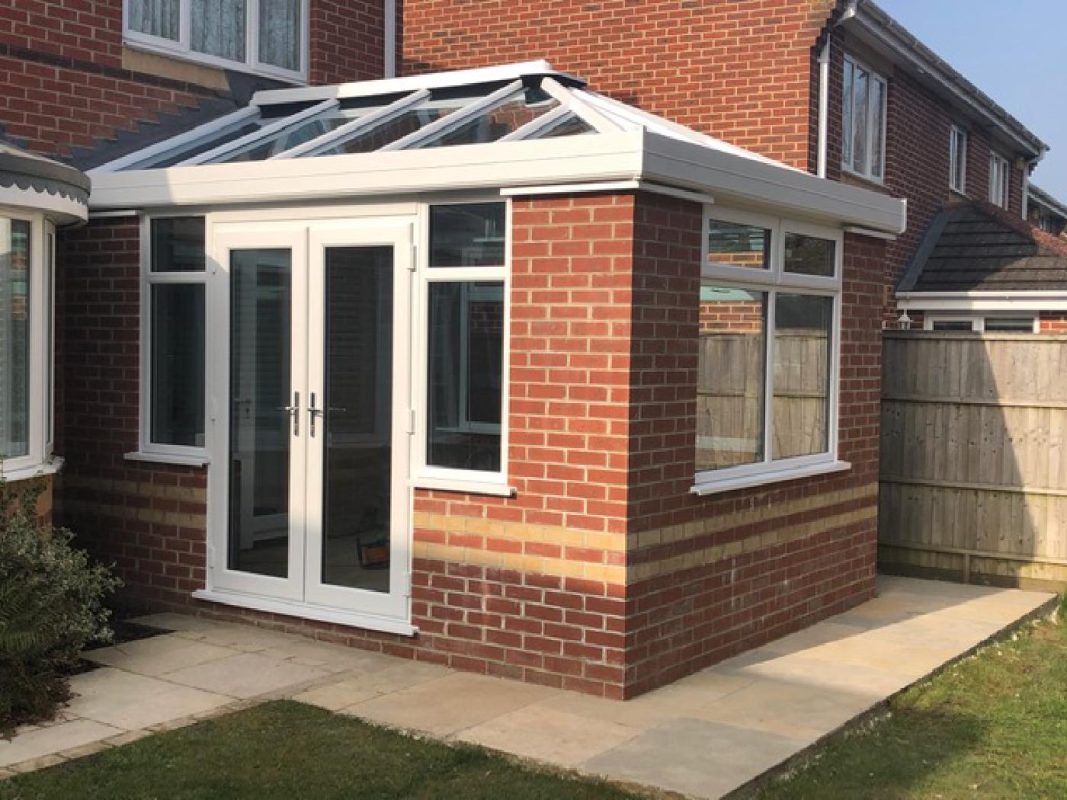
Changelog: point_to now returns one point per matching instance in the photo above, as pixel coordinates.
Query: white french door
(309, 498)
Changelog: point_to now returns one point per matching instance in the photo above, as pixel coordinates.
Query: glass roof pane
(387, 132)
(570, 125)
(175, 156)
(291, 137)
(499, 121)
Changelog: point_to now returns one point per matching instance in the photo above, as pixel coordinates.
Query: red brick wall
(146, 518)
(738, 70)
(347, 41)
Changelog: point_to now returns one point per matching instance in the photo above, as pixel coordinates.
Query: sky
(1015, 52)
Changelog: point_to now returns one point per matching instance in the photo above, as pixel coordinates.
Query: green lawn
(286, 751)
(993, 726)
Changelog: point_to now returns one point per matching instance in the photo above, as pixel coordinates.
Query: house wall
(67, 80)
(742, 71)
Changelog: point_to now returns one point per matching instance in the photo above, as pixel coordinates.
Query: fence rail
(974, 457)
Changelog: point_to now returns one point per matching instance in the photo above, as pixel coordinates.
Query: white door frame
(378, 611)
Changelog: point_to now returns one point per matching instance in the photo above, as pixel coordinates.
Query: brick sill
(752, 480)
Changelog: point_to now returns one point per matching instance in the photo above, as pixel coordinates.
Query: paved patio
(703, 736)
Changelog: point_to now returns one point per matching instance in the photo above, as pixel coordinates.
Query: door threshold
(351, 619)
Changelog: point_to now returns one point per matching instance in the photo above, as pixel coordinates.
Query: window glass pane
(49, 332)
(466, 359)
(846, 114)
(218, 28)
(177, 364)
(809, 255)
(177, 155)
(570, 125)
(14, 338)
(470, 235)
(280, 29)
(498, 122)
(730, 244)
(730, 377)
(178, 244)
(859, 123)
(877, 123)
(802, 353)
(1009, 324)
(952, 325)
(155, 17)
(289, 137)
(389, 131)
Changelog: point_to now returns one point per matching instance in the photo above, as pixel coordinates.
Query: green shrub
(51, 606)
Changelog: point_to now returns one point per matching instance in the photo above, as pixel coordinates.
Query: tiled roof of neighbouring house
(976, 247)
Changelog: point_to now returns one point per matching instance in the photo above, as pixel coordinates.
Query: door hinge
(210, 557)
(411, 422)
(414, 265)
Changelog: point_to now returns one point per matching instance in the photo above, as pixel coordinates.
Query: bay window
(769, 335)
(25, 344)
(267, 36)
(465, 323)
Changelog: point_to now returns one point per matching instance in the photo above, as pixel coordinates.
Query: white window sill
(50, 467)
(191, 460)
(468, 487)
(318, 613)
(763, 478)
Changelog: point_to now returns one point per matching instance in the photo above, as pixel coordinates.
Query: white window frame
(147, 450)
(38, 459)
(999, 179)
(847, 138)
(182, 49)
(977, 322)
(773, 281)
(425, 475)
(957, 157)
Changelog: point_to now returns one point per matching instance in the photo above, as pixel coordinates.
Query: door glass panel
(357, 450)
(260, 432)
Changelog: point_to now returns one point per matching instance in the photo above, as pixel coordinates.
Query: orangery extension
(481, 368)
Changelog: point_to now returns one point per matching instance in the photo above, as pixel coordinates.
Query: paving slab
(246, 675)
(30, 745)
(158, 655)
(129, 701)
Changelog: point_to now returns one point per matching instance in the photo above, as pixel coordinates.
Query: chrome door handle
(312, 414)
(294, 412)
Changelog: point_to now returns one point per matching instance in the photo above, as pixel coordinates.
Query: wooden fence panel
(974, 437)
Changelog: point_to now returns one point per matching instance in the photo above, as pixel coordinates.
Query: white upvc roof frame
(450, 122)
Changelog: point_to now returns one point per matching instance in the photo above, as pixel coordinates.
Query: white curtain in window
(218, 28)
(155, 17)
(279, 33)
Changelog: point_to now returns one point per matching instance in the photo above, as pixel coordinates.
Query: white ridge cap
(434, 80)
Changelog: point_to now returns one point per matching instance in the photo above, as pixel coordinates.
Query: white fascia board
(573, 159)
(1033, 300)
(436, 80)
(727, 176)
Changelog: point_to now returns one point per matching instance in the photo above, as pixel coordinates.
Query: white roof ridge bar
(371, 120)
(262, 134)
(538, 125)
(584, 110)
(176, 142)
(437, 80)
(452, 121)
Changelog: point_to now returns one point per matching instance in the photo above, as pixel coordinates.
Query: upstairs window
(863, 121)
(268, 36)
(998, 180)
(957, 160)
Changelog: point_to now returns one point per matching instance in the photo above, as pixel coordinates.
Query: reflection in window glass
(470, 235)
(802, 358)
(730, 377)
(1009, 324)
(952, 325)
(808, 255)
(465, 380)
(395, 128)
(14, 338)
(287, 139)
(498, 122)
(734, 245)
(177, 364)
(178, 244)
